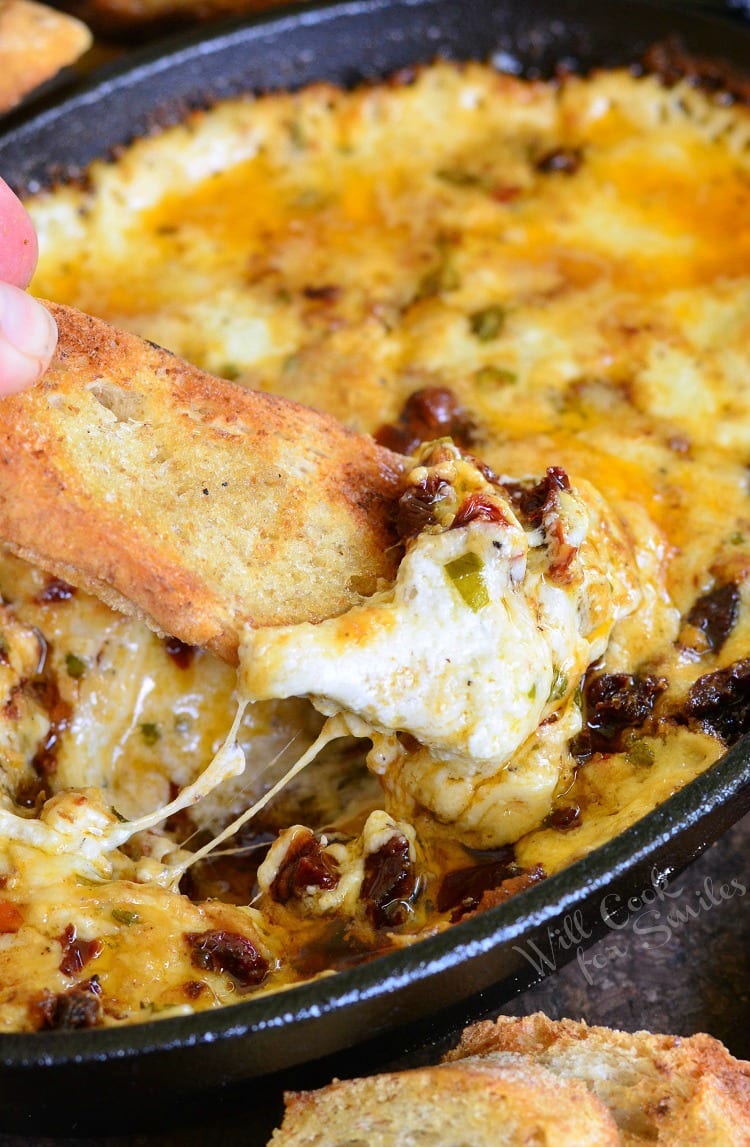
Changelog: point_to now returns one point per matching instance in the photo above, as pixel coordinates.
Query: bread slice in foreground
(661, 1089)
(35, 43)
(499, 1101)
(536, 1081)
(186, 500)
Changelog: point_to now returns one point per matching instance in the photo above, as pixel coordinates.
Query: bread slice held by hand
(188, 501)
(498, 1101)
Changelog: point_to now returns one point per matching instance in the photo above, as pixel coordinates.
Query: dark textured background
(679, 965)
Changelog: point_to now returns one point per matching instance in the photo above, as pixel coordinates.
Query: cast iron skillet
(46, 1078)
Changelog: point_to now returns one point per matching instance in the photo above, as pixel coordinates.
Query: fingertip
(18, 243)
(28, 337)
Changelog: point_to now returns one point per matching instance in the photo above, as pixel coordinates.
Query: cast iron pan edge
(343, 43)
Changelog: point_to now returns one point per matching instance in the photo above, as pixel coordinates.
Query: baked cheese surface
(557, 278)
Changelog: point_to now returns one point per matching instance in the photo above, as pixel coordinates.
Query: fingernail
(28, 336)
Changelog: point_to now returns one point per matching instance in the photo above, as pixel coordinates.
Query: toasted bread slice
(661, 1089)
(499, 1101)
(35, 43)
(188, 501)
(110, 17)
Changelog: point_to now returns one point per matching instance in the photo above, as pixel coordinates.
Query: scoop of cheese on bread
(484, 636)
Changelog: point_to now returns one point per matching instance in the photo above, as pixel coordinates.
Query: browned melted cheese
(572, 263)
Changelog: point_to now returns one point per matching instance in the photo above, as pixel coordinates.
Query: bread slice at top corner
(497, 1101)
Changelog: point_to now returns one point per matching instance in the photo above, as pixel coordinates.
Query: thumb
(28, 337)
(18, 246)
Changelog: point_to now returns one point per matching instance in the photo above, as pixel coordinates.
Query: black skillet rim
(662, 842)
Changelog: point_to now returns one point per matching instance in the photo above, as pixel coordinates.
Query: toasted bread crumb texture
(660, 1089)
(124, 458)
(541, 1081)
(499, 1101)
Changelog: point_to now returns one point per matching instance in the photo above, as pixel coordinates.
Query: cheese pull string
(228, 762)
(85, 830)
(334, 728)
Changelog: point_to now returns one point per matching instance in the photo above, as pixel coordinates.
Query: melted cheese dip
(571, 262)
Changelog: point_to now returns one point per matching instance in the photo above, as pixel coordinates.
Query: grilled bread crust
(534, 1080)
(498, 1101)
(35, 43)
(185, 500)
(661, 1089)
(111, 17)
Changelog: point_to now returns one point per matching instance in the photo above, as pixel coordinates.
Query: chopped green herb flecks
(297, 134)
(458, 177)
(466, 575)
(75, 666)
(559, 686)
(441, 278)
(640, 753)
(492, 377)
(443, 275)
(123, 916)
(150, 733)
(487, 323)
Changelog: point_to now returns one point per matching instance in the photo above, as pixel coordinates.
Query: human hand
(28, 334)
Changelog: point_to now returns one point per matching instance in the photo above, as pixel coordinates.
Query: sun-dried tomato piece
(480, 886)
(511, 887)
(720, 701)
(716, 613)
(180, 653)
(305, 865)
(432, 412)
(56, 590)
(534, 501)
(79, 1007)
(389, 882)
(416, 506)
(478, 508)
(463, 887)
(230, 953)
(77, 953)
(564, 819)
(614, 702)
(46, 693)
(11, 917)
